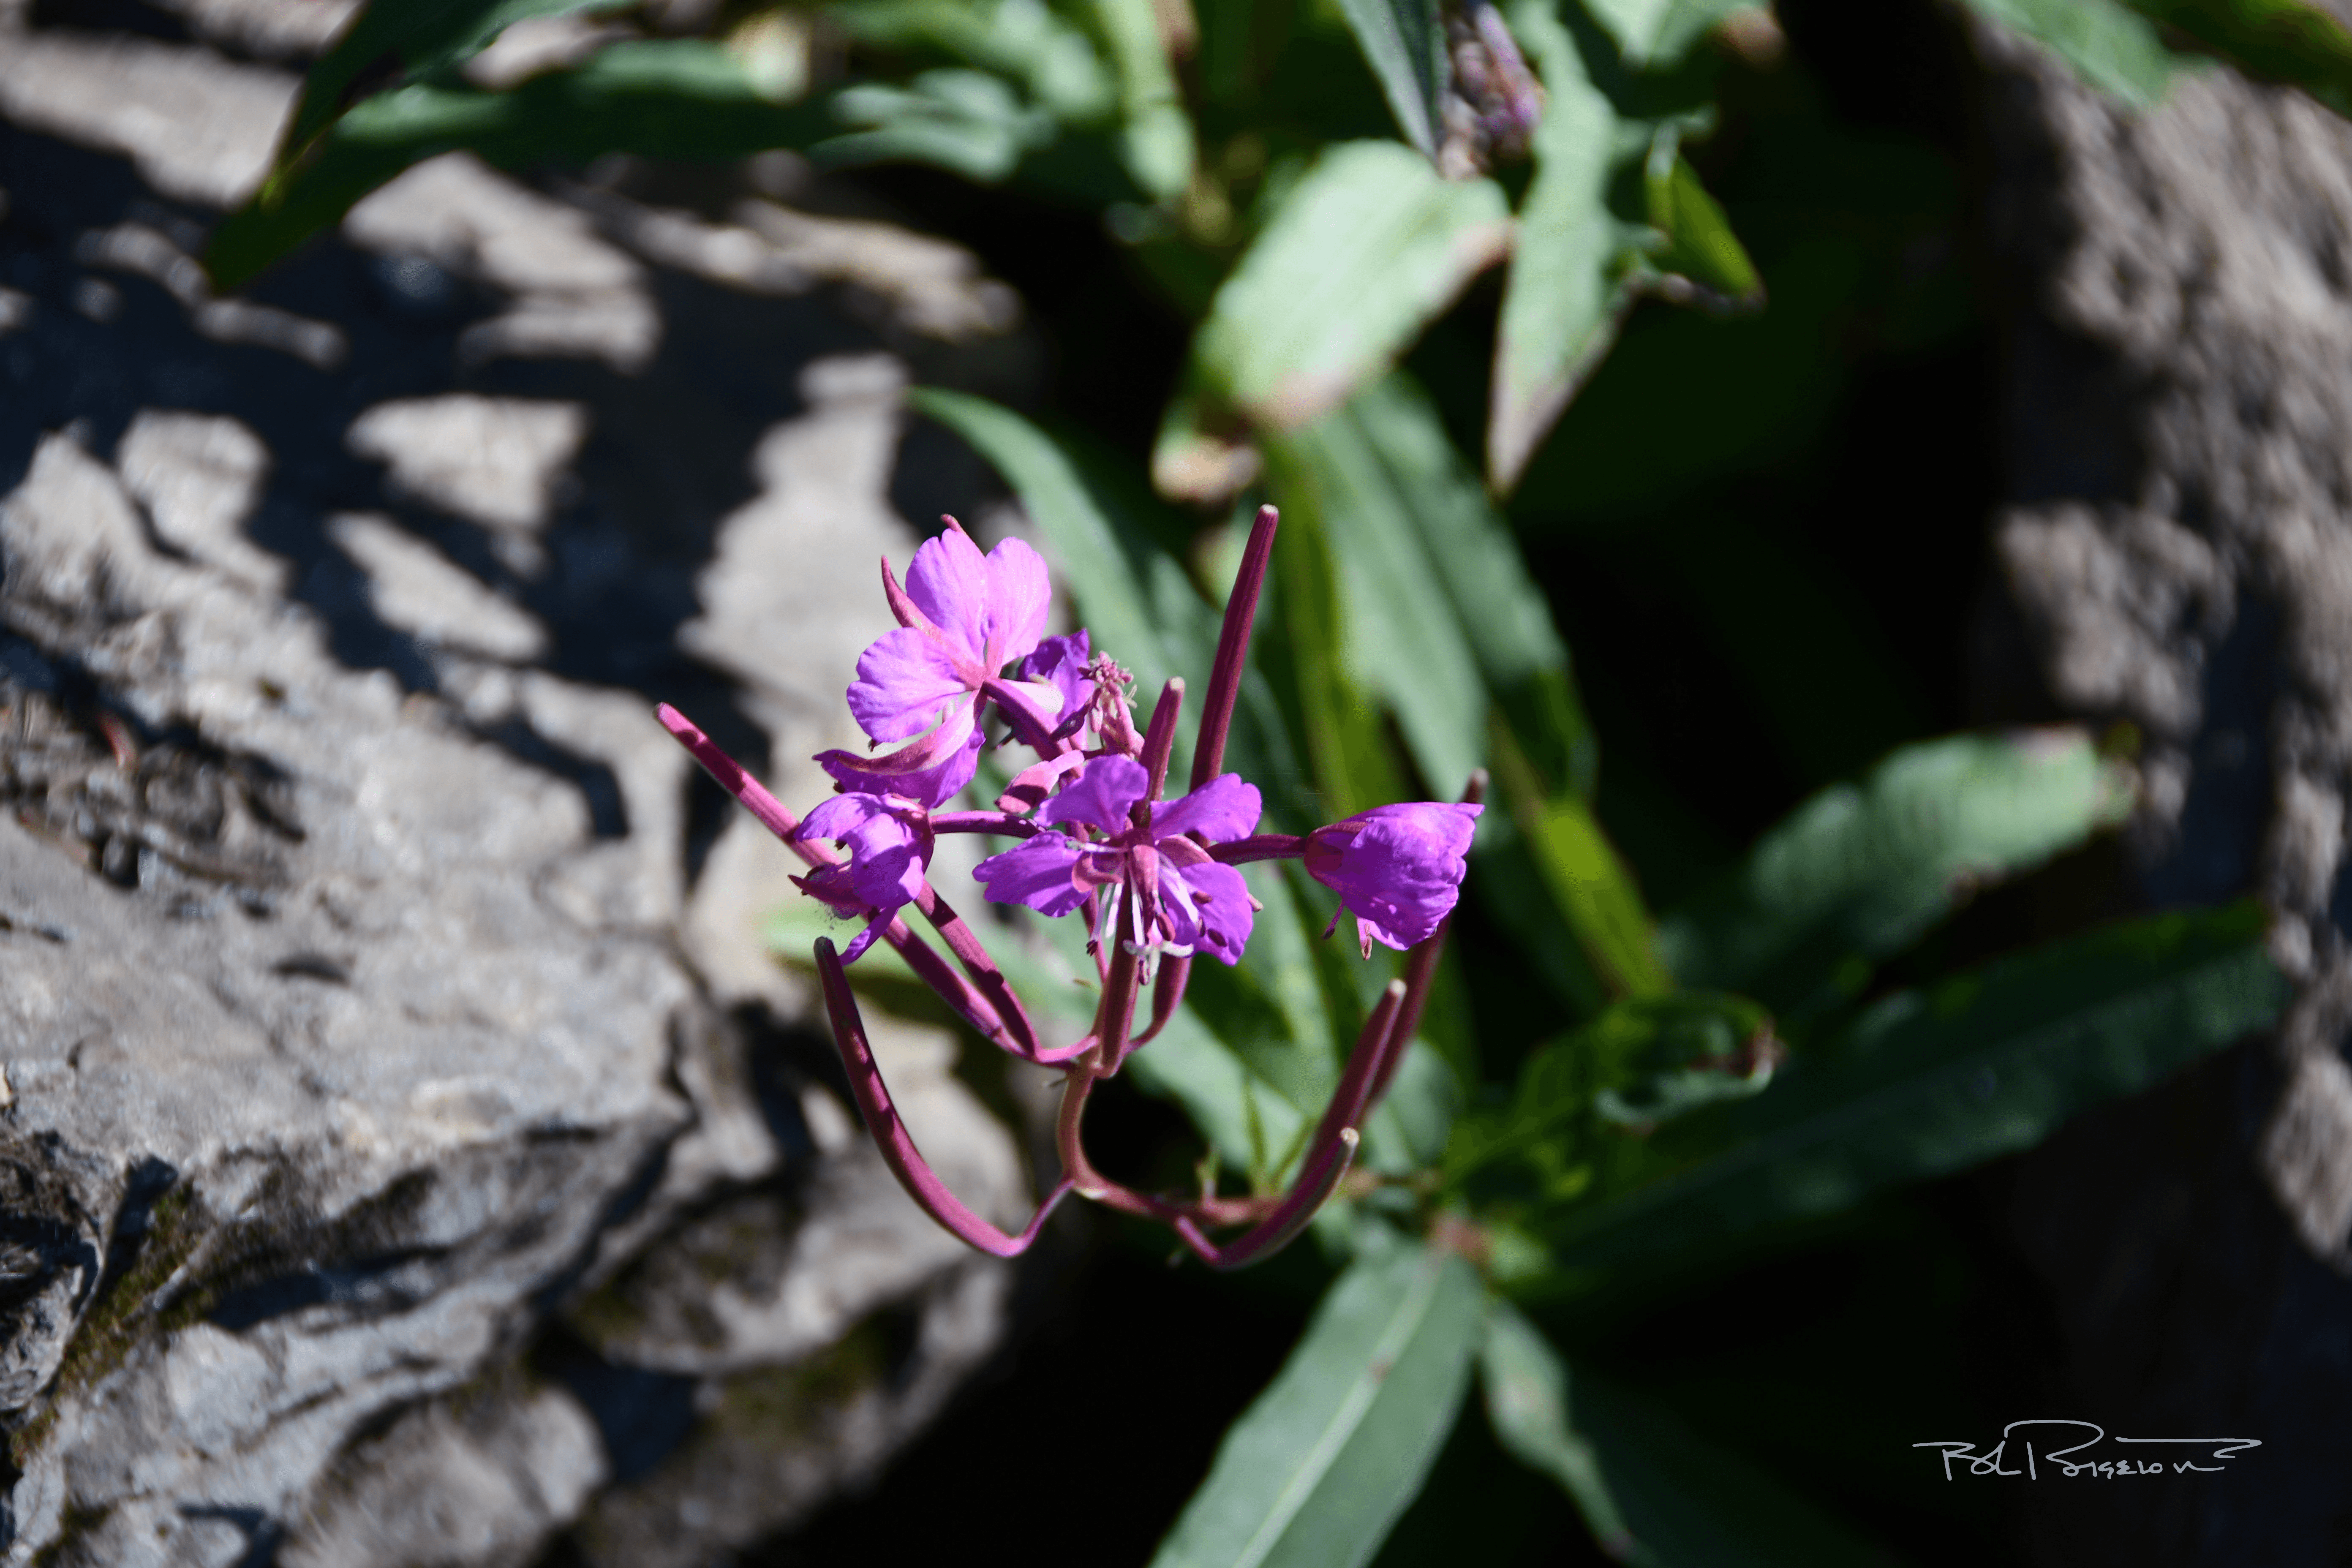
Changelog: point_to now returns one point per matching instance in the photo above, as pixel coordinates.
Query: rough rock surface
(407, 1154)
(2179, 555)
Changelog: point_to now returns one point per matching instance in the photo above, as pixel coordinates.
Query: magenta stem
(1167, 996)
(927, 967)
(890, 1136)
(1035, 730)
(1280, 1228)
(1160, 737)
(1232, 648)
(1117, 1013)
(965, 946)
(1260, 846)
(1327, 1157)
(731, 778)
(1368, 1065)
(1419, 970)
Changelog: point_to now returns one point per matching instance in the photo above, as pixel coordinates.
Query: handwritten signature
(2218, 1449)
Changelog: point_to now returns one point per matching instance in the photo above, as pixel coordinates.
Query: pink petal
(930, 771)
(1101, 796)
(1037, 873)
(949, 581)
(904, 678)
(1222, 809)
(1020, 596)
(1221, 926)
(1033, 784)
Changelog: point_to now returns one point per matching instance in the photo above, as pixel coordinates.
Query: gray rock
(407, 1154)
(2178, 554)
(199, 127)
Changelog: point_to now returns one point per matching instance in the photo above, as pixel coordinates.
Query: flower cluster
(1155, 879)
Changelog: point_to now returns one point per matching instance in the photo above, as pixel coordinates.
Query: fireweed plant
(1154, 879)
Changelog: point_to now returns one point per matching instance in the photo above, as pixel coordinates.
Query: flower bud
(1398, 869)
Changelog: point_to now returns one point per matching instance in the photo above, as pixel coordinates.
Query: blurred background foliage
(1651, 329)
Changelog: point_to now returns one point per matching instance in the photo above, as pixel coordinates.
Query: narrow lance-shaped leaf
(1405, 476)
(1125, 590)
(1688, 1502)
(672, 97)
(1527, 1387)
(2283, 40)
(1925, 1084)
(1316, 1470)
(1654, 35)
(1431, 597)
(968, 123)
(1640, 1063)
(1860, 870)
(1347, 751)
(1588, 882)
(2106, 45)
(1017, 39)
(1704, 261)
(1400, 640)
(1155, 141)
(1563, 300)
(394, 40)
(1369, 246)
(1403, 44)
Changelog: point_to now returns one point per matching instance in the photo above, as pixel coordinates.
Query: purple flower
(1059, 665)
(1398, 869)
(962, 616)
(1183, 900)
(889, 847)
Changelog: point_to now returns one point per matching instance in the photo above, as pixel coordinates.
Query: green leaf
(1689, 1503)
(678, 98)
(1438, 618)
(1472, 556)
(1527, 1387)
(2281, 40)
(1021, 40)
(965, 122)
(1564, 298)
(1407, 1131)
(1156, 142)
(1860, 871)
(1255, 1129)
(1365, 250)
(1304, 645)
(1925, 1084)
(1399, 640)
(2108, 46)
(1588, 882)
(1271, 1008)
(1317, 1470)
(410, 39)
(1406, 50)
(1639, 1062)
(1701, 248)
(1654, 35)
